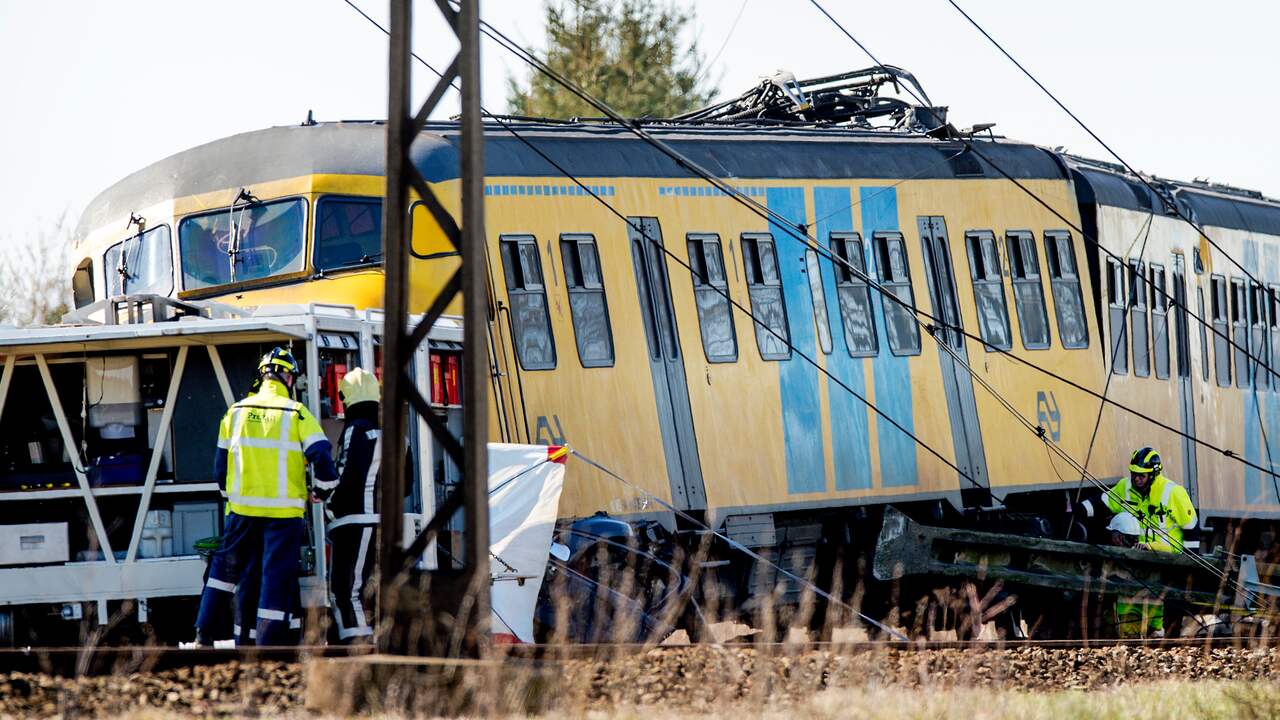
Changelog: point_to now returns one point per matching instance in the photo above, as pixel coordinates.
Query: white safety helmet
(359, 386)
(1125, 524)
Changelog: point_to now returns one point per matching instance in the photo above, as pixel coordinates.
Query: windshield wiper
(370, 257)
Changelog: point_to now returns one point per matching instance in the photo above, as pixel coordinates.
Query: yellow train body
(945, 421)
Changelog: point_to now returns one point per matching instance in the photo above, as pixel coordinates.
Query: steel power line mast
(446, 611)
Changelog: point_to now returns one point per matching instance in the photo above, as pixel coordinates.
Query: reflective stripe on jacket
(266, 437)
(1164, 513)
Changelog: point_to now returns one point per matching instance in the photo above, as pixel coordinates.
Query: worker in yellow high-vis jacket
(1166, 518)
(1163, 507)
(264, 444)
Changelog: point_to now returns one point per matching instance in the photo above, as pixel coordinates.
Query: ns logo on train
(1047, 414)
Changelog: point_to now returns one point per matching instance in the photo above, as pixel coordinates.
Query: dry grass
(1202, 700)
(1185, 700)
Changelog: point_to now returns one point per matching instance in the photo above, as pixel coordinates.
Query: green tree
(628, 53)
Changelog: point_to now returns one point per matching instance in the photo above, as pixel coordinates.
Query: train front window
(348, 233)
(247, 242)
(141, 264)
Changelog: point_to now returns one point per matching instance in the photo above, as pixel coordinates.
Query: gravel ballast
(671, 677)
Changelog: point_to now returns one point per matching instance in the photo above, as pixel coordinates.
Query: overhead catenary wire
(684, 162)
(894, 298)
(1169, 202)
(782, 222)
(1034, 428)
(800, 232)
(1119, 340)
(1145, 281)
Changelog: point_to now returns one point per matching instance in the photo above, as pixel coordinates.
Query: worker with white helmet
(351, 500)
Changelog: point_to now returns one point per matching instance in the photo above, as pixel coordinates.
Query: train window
(854, 295)
(530, 320)
(1028, 292)
(348, 233)
(1176, 302)
(1116, 317)
(1240, 330)
(82, 283)
(1138, 319)
(1258, 332)
(587, 302)
(1064, 281)
(427, 240)
(821, 320)
(988, 290)
(1204, 336)
(269, 240)
(1159, 302)
(901, 330)
(764, 287)
(141, 264)
(711, 293)
(1273, 322)
(1221, 330)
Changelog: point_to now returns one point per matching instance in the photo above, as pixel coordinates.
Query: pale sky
(94, 90)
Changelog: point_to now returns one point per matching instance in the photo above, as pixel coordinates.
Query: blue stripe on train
(892, 373)
(1271, 273)
(801, 413)
(850, 433)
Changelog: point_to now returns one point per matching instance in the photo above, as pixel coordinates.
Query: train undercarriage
(912, 571)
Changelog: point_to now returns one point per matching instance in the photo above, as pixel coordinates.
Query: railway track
(76, 661)
(45, 682)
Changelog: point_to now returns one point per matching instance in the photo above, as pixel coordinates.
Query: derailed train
(716, 361)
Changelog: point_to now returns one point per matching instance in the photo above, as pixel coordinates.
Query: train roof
(1208, 204)
(738, 152)
(735, 152)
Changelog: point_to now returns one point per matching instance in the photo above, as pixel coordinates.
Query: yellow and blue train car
(1193, 329)
(714, 354)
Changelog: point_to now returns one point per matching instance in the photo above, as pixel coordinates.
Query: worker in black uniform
(351, 506)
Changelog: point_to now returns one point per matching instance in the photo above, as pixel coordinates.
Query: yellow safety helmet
(279, 360)
(1145, 461)
(359, 386)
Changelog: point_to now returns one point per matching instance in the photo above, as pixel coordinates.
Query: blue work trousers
(262, 555)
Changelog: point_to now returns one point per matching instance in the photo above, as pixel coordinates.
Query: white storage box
(34, 544)
(191, 522)
(157, 535)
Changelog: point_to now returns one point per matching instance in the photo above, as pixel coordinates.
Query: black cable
(1170, 301)
(782, 222)
(800, 232)
(684, 162)
(1169, 203)
(1115, 349)
(969, 144)
(1172, 206)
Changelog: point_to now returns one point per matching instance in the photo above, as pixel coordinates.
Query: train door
(1186, 390)
(957, 383)
(666, 365)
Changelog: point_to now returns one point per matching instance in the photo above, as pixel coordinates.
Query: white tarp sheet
(524, 499)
